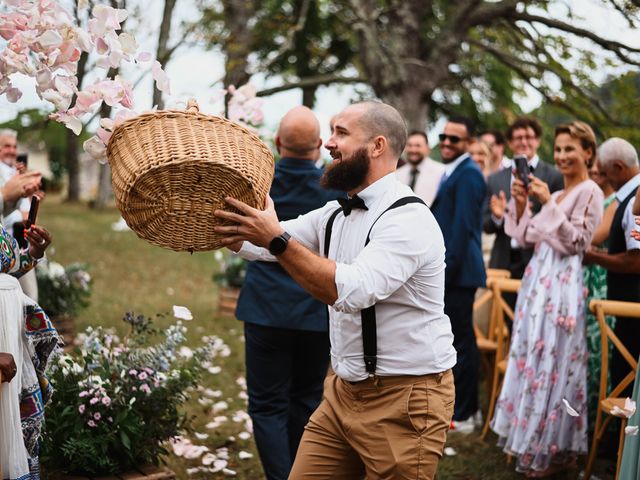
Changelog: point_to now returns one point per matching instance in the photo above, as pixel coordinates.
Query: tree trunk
(73, 159)
(238, 45)
(309, 96)
(105, 191)
(162, 51)
(411, 105)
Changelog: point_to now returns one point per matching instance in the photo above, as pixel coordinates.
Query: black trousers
(285, 372)
(458, 305)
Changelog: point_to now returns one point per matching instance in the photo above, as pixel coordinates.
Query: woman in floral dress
(27, 334)
(548, 354)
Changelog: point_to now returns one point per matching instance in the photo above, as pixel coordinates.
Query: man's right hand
(21, 185)
(498, 205)
(7, 367)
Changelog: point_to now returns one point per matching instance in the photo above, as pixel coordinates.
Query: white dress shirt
(428, 178)
(401, 271)
(22, 205)
(628, 219)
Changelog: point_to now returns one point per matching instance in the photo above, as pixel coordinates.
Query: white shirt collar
(627, 188)
(377, 188)
(450, 167)
(533, 163)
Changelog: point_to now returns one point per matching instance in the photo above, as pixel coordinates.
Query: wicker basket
(171, 169)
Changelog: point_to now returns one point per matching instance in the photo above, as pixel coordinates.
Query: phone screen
(33, 211)
(522, 169)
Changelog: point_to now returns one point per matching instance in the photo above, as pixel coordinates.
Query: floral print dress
(548, 353)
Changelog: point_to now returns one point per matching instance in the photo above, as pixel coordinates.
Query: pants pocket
(418, 406)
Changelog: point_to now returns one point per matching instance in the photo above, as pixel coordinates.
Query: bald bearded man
(286, 330)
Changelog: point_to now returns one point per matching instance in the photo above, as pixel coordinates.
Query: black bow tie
(351, 203)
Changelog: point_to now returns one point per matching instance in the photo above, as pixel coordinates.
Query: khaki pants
(393, 430)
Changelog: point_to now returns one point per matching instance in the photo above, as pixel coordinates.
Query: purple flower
(92, 424)
(83, 393)
(133, 372)
(94, 400)
(97, 416)
(106, 401)
(143, 376)
(81, 408)
(145, 388)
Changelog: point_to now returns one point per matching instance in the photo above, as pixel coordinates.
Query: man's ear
(380, 146)
(278, 144)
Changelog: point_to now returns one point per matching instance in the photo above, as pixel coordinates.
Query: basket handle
(192, 106)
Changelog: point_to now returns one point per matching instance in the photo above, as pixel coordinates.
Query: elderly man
(286, 331)
(386, 411)
(8, 170)
(618, 161)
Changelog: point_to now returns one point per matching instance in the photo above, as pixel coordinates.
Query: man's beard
(348, 173)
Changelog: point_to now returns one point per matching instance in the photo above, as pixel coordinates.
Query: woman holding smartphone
(547, 360)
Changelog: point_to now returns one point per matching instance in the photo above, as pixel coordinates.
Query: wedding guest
(497, 142)
(10, 167)
(29, 337)
(481, 154)
(285, 329)
(548, 353)
(458, 211)
(595, 281)
(618, 160)
(421, 173)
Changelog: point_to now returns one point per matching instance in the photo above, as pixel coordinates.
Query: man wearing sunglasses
(458, 210)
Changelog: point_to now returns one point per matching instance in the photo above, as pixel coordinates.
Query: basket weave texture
(171, 169)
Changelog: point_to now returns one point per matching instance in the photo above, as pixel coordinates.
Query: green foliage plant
(63, 290)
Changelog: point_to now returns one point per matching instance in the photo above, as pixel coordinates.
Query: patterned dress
(595, 281)
(548, 353)
(31, 341)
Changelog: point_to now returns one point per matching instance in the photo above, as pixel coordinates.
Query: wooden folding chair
(606, 403)
(500, 308)
(486, 342)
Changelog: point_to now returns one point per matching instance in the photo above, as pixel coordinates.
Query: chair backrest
(500, 308)
(485, 298)
(622, 309)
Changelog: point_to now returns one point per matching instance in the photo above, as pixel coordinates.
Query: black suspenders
(368, 315)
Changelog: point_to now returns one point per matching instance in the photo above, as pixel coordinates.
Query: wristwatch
(279, 244)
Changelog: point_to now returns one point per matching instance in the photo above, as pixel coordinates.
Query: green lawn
(132, 275)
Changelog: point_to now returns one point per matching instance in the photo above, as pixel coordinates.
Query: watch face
(277, 246)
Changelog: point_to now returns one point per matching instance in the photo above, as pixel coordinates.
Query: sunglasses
(452, 138)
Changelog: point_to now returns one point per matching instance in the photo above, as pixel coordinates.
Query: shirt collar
(627, 188)
(450, 167)
(533, 163)
(377, 188)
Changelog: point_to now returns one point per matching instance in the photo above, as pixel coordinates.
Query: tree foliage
(427, 57)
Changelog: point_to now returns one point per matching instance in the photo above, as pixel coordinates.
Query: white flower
(244, 455)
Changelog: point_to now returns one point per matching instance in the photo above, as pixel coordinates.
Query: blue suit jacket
(458, 210)
(269, 296)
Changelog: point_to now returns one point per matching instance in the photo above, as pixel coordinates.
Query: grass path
(131, 275)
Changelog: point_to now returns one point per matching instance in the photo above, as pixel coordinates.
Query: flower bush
(118, 402)
(231, 272)
(63, 290)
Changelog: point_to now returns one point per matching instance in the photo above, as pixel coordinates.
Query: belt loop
(376, 381)
(440, 375)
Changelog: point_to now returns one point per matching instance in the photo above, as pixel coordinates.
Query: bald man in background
(286, 330)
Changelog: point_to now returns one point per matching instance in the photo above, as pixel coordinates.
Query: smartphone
(22, 158)
(522, 169)
(33, 212)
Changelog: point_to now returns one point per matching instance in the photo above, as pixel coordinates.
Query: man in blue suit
(458, 210)
(286, 330)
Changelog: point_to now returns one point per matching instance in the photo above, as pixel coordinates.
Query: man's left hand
(250, 225)
(7, 367)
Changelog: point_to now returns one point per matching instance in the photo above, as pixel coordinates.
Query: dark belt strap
(368, 315)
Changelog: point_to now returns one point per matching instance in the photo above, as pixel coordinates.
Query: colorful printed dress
(595, 281)
(548, 353)
(28, 335)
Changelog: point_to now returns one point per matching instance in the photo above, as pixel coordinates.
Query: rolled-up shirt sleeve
(401, 243)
